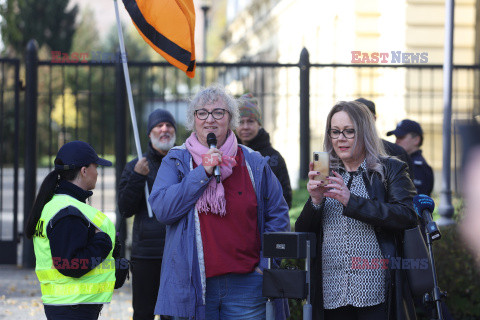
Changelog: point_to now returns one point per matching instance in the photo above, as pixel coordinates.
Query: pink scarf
(213, 198)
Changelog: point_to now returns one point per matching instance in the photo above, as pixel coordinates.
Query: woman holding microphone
(212, 264)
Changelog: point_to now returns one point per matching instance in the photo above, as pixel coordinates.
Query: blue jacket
(174, 194)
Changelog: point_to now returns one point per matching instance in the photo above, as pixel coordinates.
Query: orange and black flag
(168, 26)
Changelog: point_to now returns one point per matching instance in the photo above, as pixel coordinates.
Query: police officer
(410, 136)
(72, 240)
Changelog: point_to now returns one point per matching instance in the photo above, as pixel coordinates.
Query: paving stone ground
(20, 297)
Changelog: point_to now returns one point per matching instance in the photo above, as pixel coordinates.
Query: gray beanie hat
(160, 115)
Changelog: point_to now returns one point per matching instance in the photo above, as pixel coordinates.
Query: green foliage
(137, 49)
(299, 197)
(47, 21)
(458, 274)
(86, 37)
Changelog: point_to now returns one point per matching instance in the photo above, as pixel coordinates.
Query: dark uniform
(423, 174)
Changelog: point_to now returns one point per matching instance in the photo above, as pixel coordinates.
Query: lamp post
(205, 8)
(446, 209)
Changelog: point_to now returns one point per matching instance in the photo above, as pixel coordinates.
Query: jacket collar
(68, 188)
(417, 153)
(154, 154)
(261, 140)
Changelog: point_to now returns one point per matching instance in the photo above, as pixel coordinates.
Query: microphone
(212, 143)
(424, 206)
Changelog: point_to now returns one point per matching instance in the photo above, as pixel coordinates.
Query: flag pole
(123, 57)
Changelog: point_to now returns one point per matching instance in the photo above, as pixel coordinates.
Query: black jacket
(148, 235)
(389, 210)
(395, 150)
(261, 143)
(74, 245)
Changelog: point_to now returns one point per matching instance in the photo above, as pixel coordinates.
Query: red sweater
(231, 244)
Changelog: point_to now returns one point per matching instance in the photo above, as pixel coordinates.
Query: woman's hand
(213, 157)
(337, 189)
(314, 187)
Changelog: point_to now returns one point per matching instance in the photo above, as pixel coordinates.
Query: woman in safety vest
(72, 240)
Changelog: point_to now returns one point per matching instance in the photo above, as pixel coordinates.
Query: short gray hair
(365, 133)
(210, 95)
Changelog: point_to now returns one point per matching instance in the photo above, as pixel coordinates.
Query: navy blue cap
(406, 126)
(77, 154)
(160, 115)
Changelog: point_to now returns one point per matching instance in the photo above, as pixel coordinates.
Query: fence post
(120, 144)
(30, 185)
(304, 113)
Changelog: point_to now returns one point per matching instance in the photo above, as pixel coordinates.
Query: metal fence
(9, 158)
(87, 101)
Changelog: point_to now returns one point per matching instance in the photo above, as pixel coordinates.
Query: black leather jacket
(390, 211)
(148, 235)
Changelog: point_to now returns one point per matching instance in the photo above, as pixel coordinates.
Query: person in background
(409, 135)
(251, 134)
(359, 218)
(73, 241)
(470, 224)
(212, 262)
(148, 235)
(392, 149)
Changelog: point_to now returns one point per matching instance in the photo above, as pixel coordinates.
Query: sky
(104, 13)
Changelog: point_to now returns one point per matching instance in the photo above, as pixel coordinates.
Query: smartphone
(321, 163)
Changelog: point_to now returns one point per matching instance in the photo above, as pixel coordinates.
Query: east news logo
(389, 57)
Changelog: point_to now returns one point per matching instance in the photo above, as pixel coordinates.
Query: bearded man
(148, 235)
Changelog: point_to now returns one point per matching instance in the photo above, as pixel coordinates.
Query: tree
(86, 37)
(65, 113)
(50, 22)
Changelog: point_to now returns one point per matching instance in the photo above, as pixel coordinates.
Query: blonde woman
(358, 218)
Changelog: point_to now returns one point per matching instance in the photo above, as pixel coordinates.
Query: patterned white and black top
(344, 239)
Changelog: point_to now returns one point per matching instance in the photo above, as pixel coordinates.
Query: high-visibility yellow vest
(94, 287)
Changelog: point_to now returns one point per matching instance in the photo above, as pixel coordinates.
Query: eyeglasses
(347, 133)
(217, 114)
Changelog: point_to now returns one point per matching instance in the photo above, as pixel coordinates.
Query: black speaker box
(291, 245)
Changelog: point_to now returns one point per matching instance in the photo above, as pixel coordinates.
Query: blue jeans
(235, 297)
